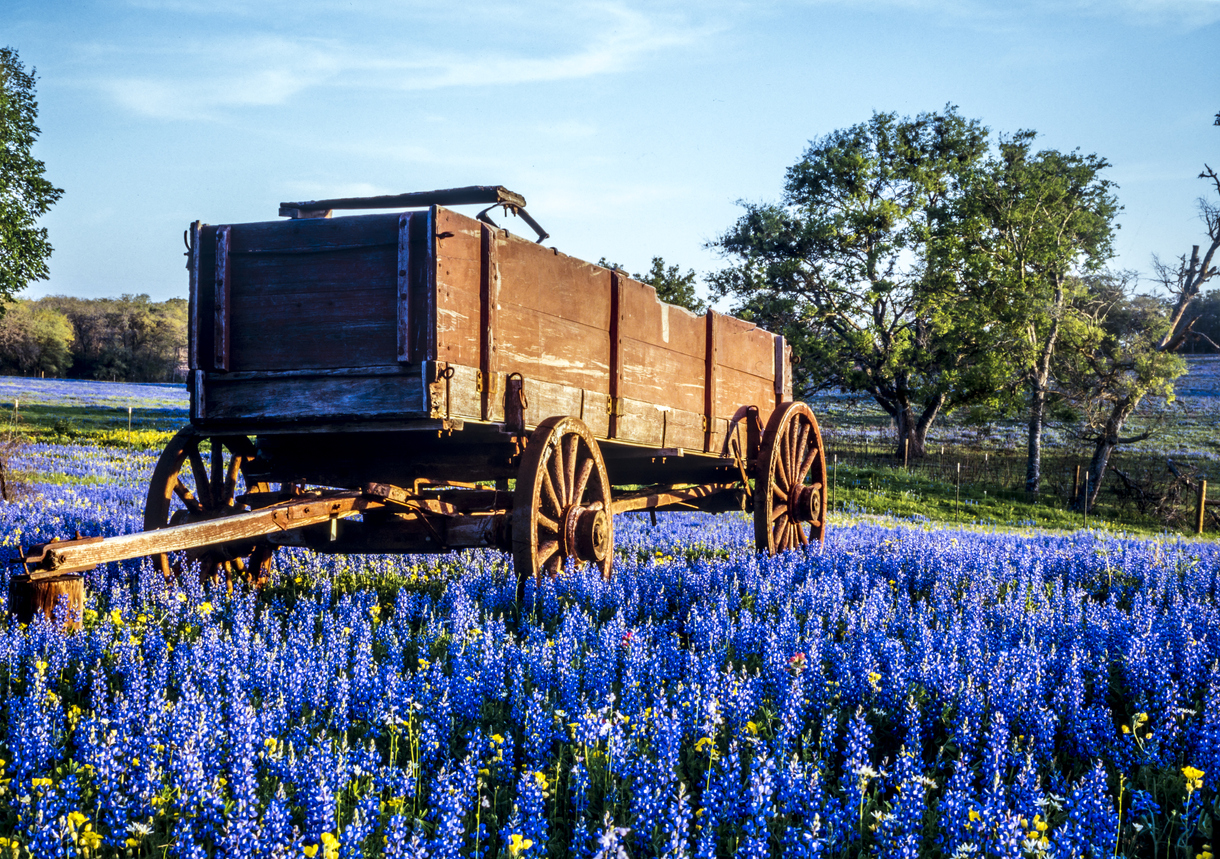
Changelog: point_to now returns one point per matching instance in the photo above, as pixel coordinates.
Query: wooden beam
(59, 557)
(192, 265)
(469, 195)
(655, 499)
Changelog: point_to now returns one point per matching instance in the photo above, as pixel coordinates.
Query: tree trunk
(1107, 440)
(1033, 462)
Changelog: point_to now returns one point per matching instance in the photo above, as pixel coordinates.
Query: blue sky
(631, 128)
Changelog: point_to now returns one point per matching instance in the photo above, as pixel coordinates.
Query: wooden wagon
(425, 381)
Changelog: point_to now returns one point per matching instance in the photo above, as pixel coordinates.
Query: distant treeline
(128, 339)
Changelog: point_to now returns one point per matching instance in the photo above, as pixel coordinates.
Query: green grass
(101, 426)
(903, 494)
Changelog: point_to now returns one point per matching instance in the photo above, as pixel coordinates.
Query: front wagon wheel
(190, 484)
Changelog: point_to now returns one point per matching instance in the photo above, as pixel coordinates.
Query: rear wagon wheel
(790, 491)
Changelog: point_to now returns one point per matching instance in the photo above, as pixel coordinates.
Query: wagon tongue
(47, 560)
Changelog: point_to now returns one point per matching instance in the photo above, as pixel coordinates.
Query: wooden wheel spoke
(231, 475)
(569, 465)
(790, 438)
(777, 511)
(582, 480)
(545, 523)
(798, 452)
(779, 494)
(777, 533)
(547, 550)
(557, 474)
(183, 493)
(554, 564)
(801, 535)
(781, 469)
(199, 471)
(810, 456)
(548, 488)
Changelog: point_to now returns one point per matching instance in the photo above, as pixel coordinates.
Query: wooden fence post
(1076, 485)
(1202, 506)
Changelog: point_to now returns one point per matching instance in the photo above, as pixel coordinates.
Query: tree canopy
(857, 264)
(25, 193)
(1034, 221)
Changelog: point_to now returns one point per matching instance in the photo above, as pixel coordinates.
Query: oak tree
(855, 266)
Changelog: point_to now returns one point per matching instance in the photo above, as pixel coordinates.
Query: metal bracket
(614, 406)
(520, 212)
(486, 382)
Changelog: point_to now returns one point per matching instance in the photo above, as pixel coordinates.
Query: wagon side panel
(304, 320)
(327, 288)
(748, 366)
(506, 305)
(663, 370)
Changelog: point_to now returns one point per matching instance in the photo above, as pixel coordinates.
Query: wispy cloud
(204, 79)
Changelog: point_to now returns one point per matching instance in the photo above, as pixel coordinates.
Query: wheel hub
(808, 504)
(585, 534)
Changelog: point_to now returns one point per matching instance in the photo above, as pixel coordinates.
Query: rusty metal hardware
(520, 212)
(515, 404)
(486, 382)
(614, 406)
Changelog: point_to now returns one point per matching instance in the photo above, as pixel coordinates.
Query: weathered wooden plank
(548, 282)
(662, 376)
(303, 398)
(316, 235)
(746, 347)
(736, 389)
(459, 278)
(650, 320)
(86, 553)
(467, 195)
(552, 348)
(402, 306)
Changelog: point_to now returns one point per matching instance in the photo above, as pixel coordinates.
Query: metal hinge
(614, 406)
(489, 383)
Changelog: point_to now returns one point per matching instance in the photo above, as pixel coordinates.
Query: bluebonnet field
(899, 692)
